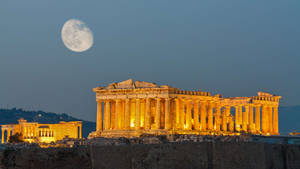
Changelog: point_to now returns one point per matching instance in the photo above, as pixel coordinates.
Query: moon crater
(76, 36)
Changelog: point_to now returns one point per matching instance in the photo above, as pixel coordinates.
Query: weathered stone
(135, 108)
(42, 133)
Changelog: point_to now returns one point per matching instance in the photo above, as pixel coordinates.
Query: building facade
(129, 109)
(42, 133)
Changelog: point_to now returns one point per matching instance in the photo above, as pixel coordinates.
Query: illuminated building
(42, 133)
(129, 109)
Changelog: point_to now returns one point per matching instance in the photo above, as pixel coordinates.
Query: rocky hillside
(206, 155)
(10, 116)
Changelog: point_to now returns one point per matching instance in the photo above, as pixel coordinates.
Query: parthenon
(132, 108)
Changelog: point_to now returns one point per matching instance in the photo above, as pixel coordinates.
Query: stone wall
(219, 155)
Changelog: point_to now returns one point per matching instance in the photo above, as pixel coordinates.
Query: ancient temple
(130, 109)
(41, 133)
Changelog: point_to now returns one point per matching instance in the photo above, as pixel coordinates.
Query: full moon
(77, 36)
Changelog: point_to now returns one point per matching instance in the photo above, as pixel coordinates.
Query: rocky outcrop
(183, 155)
(46, 158)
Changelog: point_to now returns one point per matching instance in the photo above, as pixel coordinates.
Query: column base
(139, 133)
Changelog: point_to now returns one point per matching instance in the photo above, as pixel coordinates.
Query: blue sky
(235, 48)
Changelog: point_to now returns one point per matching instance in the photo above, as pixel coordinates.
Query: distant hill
(10, 116)
(289, 119)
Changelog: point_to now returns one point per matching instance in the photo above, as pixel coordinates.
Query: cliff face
(38, 158)
(161, 156)
(198, 155)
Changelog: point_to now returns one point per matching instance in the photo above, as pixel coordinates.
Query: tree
(16, 138)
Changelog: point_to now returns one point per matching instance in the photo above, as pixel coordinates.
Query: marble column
(196, 114)
(251, 124)
(80, 132)
(142, 113)
(177, 112)
(117, 115)
(231, 123)
(182, 113)
(113, 114)
(107, 124)
(275, 120)
(257, 118)
(127, 114)
(147, 114)
(8, 135)
(240, 110)
(245, 118)
(210, 115)
(270, 111)
(167, 114)
(137, 114)
(173, 113)
(2, 138)
(122, 121)
(99, 115)
(217, 117)
(188, 115)
(237, 116)
(264, 119)
(157, 113)
(224, 120)
(203, 112)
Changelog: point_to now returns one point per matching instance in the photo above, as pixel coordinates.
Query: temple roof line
(131, 87)
(130, 84)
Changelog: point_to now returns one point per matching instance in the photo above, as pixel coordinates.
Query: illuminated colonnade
(133, 108)
(33, 131)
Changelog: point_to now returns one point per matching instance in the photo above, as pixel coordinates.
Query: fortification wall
(220, 155)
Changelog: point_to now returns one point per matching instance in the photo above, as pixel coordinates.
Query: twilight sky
(231, 47)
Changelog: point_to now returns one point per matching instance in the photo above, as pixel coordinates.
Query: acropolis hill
(130, 109)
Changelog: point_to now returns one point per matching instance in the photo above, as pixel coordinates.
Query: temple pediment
(130, 84)
(264, 94)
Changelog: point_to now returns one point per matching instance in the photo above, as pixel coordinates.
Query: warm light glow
(47, 139)
(44, 133)
(162, 110)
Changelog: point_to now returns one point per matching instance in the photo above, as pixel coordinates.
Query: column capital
(196, 100)
(188, 100)
(217, 103)
(210, 103)
(227, 106)
(177, 99)
(203, 101)
(257, 105)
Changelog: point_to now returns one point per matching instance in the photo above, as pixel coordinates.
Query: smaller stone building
(43, 133)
